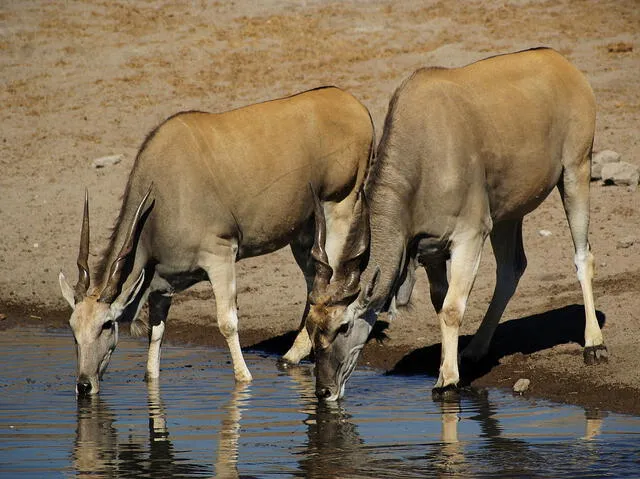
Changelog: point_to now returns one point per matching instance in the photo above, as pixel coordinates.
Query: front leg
(159, 305)
(465, 259)
(220, 267)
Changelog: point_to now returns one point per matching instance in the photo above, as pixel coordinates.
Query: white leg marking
(153, 358)
(465, 259)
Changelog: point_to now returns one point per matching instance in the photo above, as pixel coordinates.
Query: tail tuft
(139, 328)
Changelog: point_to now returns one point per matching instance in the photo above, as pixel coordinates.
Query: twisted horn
(80, 290)
(356, 257)
(318, 253)
(114, 281)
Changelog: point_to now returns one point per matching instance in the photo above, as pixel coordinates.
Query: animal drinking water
(224, 187)
(465, 154)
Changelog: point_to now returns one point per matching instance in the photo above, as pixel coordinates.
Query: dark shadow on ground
(276, 345)
(525, 335)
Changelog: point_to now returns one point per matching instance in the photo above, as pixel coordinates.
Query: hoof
(242, 377)
(284, 364)
(595, 354)
(446, 393)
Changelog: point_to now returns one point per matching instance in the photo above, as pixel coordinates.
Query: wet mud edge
(546, 383)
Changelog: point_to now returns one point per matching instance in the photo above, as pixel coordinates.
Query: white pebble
(107, 161)
(521, 385)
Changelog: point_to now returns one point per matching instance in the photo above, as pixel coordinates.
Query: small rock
(521, 385)
(600, 159)
(545, 233)
(621, 173)
(625, 242)
(3, 316)
(107, 161)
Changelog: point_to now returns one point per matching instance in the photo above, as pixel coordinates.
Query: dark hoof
(447, 393)
(595, 354)
(284, 365)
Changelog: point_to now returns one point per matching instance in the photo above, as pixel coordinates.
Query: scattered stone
(3, 316)
(626, 242)
(521, 386)
(545, 233)
(600, 159)
(107, 161)
(621, 173)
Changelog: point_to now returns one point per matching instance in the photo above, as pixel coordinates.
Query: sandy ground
(85, 79)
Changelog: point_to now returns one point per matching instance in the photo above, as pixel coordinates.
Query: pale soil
(85, 79)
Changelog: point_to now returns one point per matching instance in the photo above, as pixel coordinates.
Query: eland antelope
(225, 187)
(465, 154)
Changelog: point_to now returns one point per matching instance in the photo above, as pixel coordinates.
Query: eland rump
(225, 187)
(466, 153)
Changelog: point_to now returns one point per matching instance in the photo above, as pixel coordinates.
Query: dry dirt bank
(85, 79)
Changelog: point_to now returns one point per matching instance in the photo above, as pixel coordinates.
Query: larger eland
(466, 153)
(207, 190)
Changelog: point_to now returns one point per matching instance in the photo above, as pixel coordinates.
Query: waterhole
(195, 422)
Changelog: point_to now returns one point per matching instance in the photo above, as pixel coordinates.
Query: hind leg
(301, 249)
(219, 263)
(574, 190)
(506, 241)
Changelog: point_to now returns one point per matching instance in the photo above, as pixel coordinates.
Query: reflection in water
(593, 423)
(334, 447)
(227, 458)
(100, 451)
(276, 428)
(450, 458)
(498, 453)
(96, 445)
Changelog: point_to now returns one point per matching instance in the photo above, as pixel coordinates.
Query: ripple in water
(195, 422)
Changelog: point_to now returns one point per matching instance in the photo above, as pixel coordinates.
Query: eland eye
(343, 329)
(107, 325)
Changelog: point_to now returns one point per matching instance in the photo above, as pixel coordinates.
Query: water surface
(195, 422)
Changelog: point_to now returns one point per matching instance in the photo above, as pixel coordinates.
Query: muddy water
(197, 423)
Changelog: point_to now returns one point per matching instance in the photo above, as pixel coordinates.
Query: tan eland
(225, 187)
(466, 153)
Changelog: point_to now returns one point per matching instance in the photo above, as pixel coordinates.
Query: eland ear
(67, 291)
(127, 296)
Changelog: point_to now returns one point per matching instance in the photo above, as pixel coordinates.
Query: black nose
(83, 388)
(323, 393)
